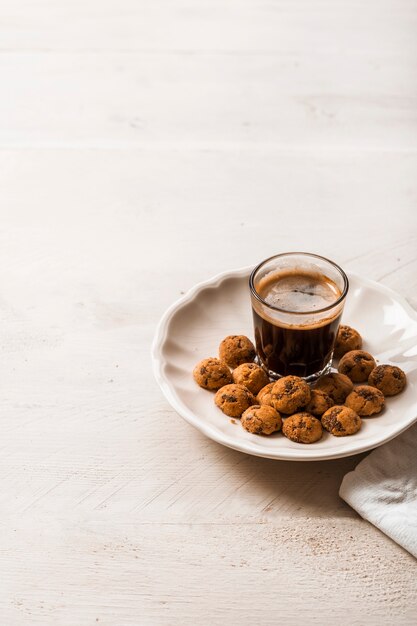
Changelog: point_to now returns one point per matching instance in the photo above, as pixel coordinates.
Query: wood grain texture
(145, 146)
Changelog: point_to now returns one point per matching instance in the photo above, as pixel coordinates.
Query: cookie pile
(243, 390)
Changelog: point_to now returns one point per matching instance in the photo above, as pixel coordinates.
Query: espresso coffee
(304, 347)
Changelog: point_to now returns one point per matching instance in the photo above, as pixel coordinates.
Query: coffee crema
(298, 292)
(301, 345)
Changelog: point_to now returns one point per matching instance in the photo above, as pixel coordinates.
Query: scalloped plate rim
(208, 430)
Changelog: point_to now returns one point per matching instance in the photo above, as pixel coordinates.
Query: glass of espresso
(297, 303)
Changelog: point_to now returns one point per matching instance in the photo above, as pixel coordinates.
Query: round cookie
(347, 339)
(389, 379)
(236, 349)
(261, 420)
(264, 392)
(366, 400)
(341, 421)
(212, 374)
(289, 394)
(268, 398)
(250, 375)
(234, 399)
(357, 365)
(337, 386)
(302, 428)
(320, 401)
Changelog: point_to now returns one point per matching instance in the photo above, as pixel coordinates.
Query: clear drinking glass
(297, 303)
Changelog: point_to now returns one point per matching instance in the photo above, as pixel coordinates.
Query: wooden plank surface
(145, 146)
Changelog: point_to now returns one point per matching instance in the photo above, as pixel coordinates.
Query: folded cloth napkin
(383, 489)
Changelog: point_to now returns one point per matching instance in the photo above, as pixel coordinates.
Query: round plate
(193, 327)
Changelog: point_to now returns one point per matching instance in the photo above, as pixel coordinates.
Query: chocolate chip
(228, 398)
(367, 394)
(378, 375)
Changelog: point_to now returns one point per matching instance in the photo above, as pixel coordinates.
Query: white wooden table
(146, 145)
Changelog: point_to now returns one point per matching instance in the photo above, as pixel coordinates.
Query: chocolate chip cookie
(320, 401)
(268, 398)
(250, 375)
(366, 401)
(212, 374)
(236, 349)
(341, 421)
(389, 379)
(357, 365)
(337, 386)
(234, 399)
(302, 428)
(347, 339)
(289, 394)
(261, 420)
(264, 392)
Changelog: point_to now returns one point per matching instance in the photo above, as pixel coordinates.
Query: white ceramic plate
(193, 327)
